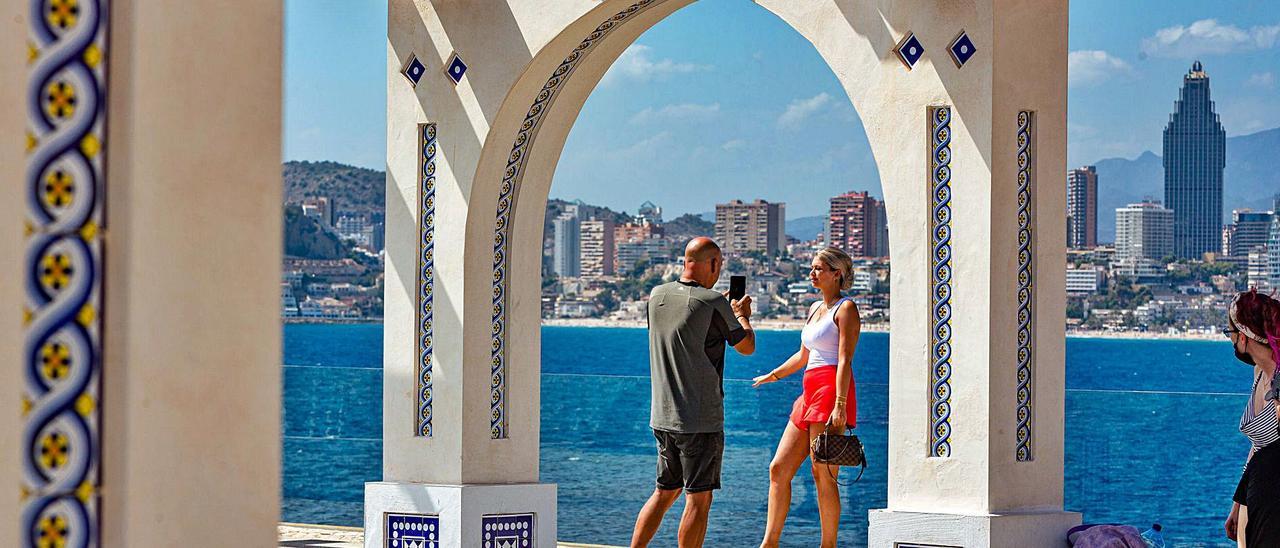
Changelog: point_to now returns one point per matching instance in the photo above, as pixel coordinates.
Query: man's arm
(742, 314)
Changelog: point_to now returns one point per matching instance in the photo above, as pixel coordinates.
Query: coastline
(796, 325)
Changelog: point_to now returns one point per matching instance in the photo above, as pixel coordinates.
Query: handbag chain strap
(835, 474)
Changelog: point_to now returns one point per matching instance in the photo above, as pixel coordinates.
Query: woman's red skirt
(819, 398)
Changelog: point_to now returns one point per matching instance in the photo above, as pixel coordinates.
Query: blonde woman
(829, 401)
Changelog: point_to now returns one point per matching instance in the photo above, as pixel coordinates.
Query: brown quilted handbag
(840, 450)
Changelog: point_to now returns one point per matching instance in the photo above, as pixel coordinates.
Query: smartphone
(737, 287)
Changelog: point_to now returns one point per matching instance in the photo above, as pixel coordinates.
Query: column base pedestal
(419, 515)
(890, 529)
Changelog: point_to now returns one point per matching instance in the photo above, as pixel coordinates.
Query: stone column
(448, 476)
(12, 112)
(976, 418)
(144, 231)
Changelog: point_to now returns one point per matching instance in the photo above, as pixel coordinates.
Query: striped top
(1263, 428)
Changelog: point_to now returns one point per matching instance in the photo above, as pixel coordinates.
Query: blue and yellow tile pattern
(940, 297)
(1026, 288)
(62, 329)
(426, 272)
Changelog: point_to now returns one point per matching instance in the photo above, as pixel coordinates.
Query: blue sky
(687, 118)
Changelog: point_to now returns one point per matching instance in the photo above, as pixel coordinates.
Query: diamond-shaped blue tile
(962, 49)
(411, 531)
(456, 68)
(910, 50)
(414, 69)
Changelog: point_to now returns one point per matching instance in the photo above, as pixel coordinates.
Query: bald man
(689, 326)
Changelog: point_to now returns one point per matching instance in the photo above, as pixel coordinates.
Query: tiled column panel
(1026, 290)
(426, 273)
(65, 184)
(940, 296)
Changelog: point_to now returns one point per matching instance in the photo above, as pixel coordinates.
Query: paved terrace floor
(297, 535)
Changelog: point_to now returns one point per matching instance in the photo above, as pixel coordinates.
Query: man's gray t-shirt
(688, 328)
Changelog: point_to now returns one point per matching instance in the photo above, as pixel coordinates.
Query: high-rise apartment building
(883, 238)
(1248, 229)
(567, 251)
(856, 225)
(757, 226)
(634, 232)
(650, 250)
(1082, 208)
(1194, 157)
(1144, 236)
(1258, 273)
(354, 227)
(597, 248)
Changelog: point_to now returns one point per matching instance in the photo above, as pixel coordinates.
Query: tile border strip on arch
(940, 267)
(65, 184)
(1025, 451)
(508, 197)
(426, 273)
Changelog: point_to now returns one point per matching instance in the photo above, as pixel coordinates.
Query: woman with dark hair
(829, 401)
(1253, 325)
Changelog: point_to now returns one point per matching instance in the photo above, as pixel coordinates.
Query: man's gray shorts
(689, 461)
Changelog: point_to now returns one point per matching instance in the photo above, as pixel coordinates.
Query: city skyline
(671, 112)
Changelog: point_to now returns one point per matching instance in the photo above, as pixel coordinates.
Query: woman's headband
(1231, 313)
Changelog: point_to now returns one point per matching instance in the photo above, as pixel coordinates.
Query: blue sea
(1150, 433)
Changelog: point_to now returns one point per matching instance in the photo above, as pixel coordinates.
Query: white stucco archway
(976, 405)
(986, 470)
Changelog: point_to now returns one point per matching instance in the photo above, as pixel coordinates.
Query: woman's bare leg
(793, 448)
(824, 478)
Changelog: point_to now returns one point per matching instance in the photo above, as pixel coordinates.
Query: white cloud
(733, 144)
(800, 109)
(1264, 80)
(1207, 37)
(682, 111)
(1092, 67)
(644, 149)
(637, 64)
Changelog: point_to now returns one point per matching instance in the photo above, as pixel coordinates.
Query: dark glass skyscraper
(1195, 151)
(1082, 208)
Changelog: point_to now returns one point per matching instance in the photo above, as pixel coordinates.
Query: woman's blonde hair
(840, 262)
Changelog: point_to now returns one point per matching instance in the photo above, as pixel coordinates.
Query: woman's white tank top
(822, 338)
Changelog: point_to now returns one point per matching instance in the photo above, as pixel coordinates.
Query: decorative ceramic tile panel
(426, 271)
(65, 182)
(1026, 287)
(508, 195)
(961, 49)
(940, 297)
(508, 531)
(910, 50)
(411, 531)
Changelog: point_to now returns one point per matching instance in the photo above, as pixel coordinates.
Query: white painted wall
(192, 386)
(13, 30)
